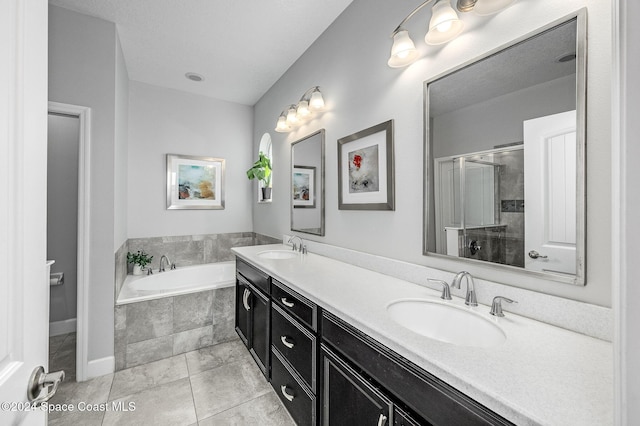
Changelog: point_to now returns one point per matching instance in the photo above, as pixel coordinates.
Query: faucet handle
(446, 291)
(496, 306)
(303, 249)
(149, 271)
(173, 266)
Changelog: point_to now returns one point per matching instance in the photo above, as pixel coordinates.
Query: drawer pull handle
(245, 299)
(286, 303)
(287, 395)
(286, 342)
(382, 420)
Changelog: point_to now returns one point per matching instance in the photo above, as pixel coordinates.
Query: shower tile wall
(512, 188)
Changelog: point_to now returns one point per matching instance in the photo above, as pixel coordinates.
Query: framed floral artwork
(195, 182)
(366, 169)
(304, 187)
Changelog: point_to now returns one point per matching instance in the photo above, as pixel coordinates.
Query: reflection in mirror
(307, 184)
(504, 144)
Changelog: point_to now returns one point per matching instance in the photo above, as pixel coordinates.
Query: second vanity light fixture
(294, 115)
(444, 26)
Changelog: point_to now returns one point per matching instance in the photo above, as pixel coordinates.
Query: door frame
(83, 244)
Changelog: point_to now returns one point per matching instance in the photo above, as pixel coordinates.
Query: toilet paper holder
(56, 278)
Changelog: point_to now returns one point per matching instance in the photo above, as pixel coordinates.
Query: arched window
(266, 149)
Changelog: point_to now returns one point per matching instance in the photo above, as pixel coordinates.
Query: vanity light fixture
(444, 26)
(294, 115)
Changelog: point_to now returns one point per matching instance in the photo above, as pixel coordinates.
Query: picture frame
(303, 187)
(366, 175)
(195, 183)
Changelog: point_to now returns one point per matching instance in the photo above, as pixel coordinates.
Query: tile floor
(217, 385)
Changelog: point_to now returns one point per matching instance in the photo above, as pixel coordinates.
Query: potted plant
(261, 170)
(139, 260)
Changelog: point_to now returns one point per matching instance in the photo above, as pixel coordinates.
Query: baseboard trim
(57, 328)
(100, 367)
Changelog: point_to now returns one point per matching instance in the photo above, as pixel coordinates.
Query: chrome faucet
(301, 248)
(496, 306)
(470, 299)
(446, 292)
(168, 262)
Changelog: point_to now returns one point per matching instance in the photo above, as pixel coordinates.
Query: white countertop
(541, 375)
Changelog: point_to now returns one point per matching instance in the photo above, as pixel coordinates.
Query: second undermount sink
(278, 254)
(446, 322)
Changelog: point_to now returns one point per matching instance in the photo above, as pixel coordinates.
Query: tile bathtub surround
(160, 328)
(217, 385)
(189, 250)
(121, 266)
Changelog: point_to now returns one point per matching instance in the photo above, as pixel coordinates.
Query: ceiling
(523, 65)
(240, 47)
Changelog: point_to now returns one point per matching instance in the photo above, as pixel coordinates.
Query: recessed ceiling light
(566, 58)
(194, 77)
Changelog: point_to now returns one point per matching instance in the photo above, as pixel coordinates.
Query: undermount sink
(278, 254)
(446, 323)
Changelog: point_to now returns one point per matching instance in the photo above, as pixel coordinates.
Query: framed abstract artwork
(195, 182)
(366, 169)
(304, 187)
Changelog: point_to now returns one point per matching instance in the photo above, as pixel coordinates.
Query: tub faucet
(470, 299)
(301, 248)
(168, 262)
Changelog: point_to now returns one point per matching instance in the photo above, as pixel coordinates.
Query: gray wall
(499, 120)
(120, 174)
(62, 211)
(349, 63)
(165, 121)
(82, 72)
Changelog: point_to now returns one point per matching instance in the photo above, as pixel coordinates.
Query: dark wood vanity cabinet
(294, 351)
(253, 313)
(327, 372)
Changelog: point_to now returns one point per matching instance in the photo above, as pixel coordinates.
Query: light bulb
(303, 112)
(403, 51)
(281, 126)
(316, 103)
(292, 120)
(444, 25)
(490, 7)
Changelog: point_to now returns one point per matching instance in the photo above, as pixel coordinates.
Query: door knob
(535, 255)
(40, 380)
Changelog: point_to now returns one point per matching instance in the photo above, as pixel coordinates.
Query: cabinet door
(347, 397)
(259, 326)
(242, 311)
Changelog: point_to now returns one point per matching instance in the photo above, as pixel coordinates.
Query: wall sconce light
(294, 115)
(444, 26)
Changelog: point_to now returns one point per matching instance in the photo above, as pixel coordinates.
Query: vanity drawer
(253, 275)
(295, 304)
(298, 400)
(296, 344)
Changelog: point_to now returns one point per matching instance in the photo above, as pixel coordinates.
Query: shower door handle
(245, 299)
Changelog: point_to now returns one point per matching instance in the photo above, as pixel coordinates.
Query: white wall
(63, 137)
(82, 72)
(626, 230)
(165, 121)
(349, 63)
(498, 121)
(121, 151)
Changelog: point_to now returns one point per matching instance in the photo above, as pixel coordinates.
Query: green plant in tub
(140, 258)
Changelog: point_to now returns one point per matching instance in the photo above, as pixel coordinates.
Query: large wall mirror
(307, 184)
(505, 156)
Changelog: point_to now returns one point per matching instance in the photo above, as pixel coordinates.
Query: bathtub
(185, 280)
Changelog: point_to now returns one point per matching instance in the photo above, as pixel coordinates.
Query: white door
(550, 193)
(24, 289)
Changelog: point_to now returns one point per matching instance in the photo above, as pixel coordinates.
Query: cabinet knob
(285, 341)
(286, 303)
(286, 394)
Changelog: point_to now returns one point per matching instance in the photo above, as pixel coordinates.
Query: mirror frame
(581, 129)
(321, 194)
